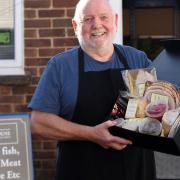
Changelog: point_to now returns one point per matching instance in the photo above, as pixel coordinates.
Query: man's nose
(97, 22)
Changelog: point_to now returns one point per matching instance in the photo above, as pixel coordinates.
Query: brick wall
(47, 31)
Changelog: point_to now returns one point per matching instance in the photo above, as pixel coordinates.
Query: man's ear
(116, 21)
(74, 25)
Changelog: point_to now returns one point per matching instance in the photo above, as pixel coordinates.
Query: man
(76, 94)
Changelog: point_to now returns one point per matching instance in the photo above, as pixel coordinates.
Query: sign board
(15, 147)
(5, 37)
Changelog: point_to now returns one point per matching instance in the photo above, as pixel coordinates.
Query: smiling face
(95, 25)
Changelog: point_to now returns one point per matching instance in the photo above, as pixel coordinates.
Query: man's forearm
(51, 126)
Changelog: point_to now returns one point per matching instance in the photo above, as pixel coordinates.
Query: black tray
(155, 143)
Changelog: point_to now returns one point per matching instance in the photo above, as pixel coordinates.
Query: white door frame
(117, 6)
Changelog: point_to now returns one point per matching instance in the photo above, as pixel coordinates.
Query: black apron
(81, 160)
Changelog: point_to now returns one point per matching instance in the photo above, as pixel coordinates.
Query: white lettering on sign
(2, 176)
(5, 132)
(9, 151)
(13, 175)
(8, 163)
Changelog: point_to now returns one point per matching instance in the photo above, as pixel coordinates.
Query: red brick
(33, 71)
(44, 154)
(37, 145)
(5, 90)
(31, 52)
(51, 32)
(50, 52)
(51, 13)
(36, 61)
(37, 23)
(37, 3)
(12, 99)
(23, 90)
(49, 145)
(45, 174)
(28, 98)
(62, 23)
(48, 164)
(65, 42)
(21, 108)
(70, 32)
(30, 14)
(37, 42)
(34, 80)
(38, 164)
(64, 3)
(5, 108)
(41, 70)
(70, 12)
(30, 33)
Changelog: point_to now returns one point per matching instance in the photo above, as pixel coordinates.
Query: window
(149, 22)
(11, 37)
(157, 19)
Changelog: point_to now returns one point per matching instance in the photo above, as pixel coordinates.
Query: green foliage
(4, 37)
(150, 46)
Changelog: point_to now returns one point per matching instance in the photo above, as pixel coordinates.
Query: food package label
(131, 108)
(159, 98)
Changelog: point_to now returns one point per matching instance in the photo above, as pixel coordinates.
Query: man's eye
(87, 20)
(104, 18)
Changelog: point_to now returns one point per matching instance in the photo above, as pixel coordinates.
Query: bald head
(95, 25)
(84, 4)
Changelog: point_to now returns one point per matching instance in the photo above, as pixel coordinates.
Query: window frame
(16, 66)
(117, 6)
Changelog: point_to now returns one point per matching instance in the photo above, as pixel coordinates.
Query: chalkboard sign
(15, 147)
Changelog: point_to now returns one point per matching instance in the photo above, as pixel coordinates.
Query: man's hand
(102, 136)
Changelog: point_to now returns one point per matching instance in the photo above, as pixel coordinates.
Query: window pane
(6, 29)
(155, 21)
(126, 22)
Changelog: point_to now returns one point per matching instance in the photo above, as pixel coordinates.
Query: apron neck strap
(121, 57)
(81, 59)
